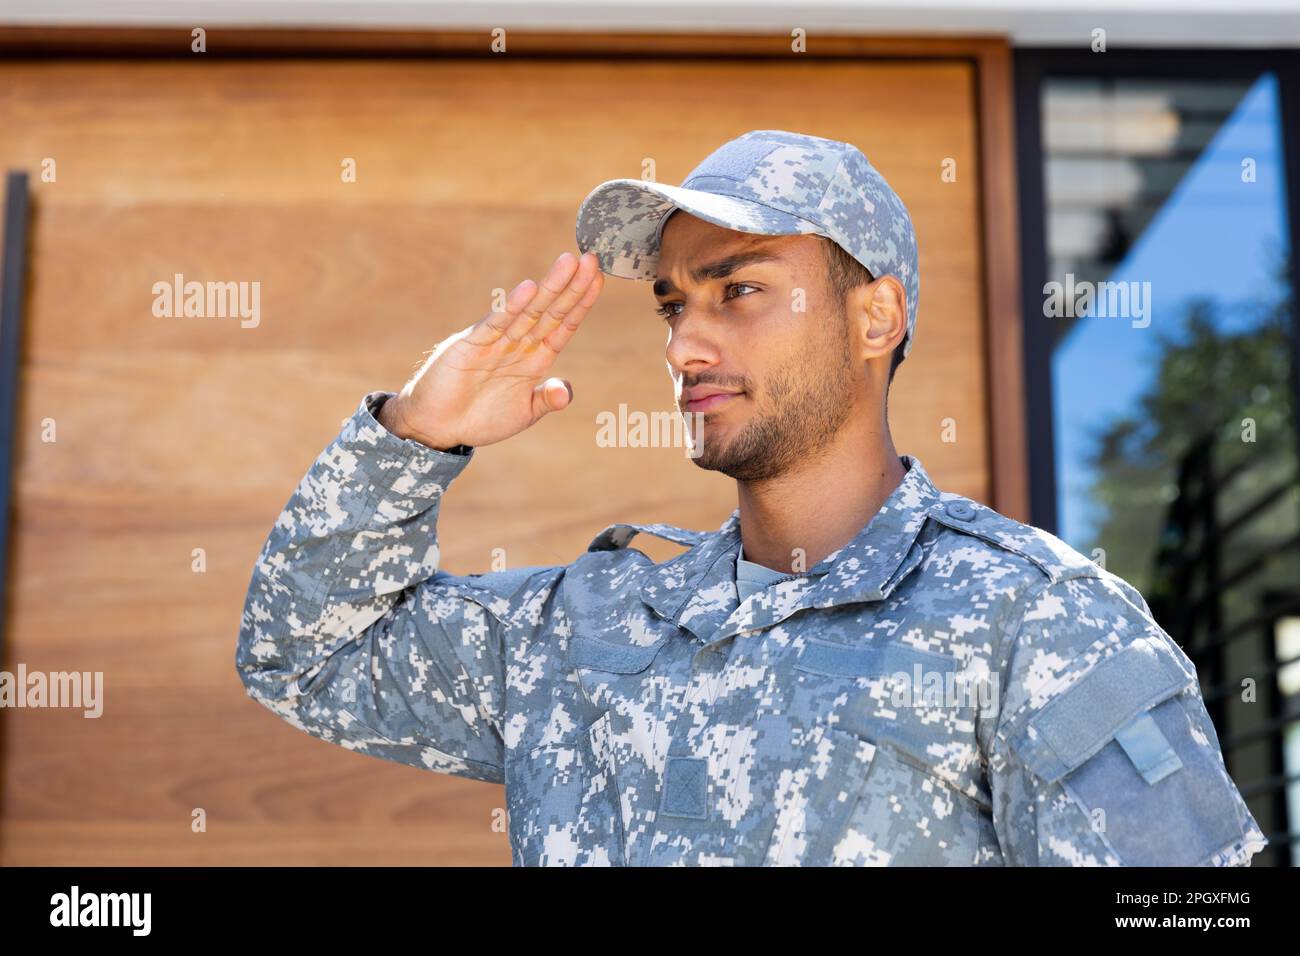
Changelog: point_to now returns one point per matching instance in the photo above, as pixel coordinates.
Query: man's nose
(692, 343)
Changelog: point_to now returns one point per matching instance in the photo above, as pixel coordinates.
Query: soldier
(804, 700)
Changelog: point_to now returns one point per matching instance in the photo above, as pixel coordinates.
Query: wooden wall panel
(175, 434)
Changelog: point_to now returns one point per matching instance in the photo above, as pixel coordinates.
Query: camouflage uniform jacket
(951, 687)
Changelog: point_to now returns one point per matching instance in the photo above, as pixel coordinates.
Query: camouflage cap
(767, 181)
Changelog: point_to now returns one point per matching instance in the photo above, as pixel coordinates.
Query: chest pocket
(891, 733)
(613, 674)
(593, 654)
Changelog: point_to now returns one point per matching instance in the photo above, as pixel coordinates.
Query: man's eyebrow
(719, 269)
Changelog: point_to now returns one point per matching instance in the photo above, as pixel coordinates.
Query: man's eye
(741, 285)
(665, 310)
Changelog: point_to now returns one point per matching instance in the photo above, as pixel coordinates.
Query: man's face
(752, 319)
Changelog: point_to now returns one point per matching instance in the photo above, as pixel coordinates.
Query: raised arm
(349, 631)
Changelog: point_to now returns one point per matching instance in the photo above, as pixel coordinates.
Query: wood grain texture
(175, 434)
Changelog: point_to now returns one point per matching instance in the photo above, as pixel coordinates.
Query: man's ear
(881, 310)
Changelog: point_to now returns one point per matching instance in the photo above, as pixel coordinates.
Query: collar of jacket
(698, 587)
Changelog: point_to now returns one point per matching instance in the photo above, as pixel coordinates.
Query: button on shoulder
(960, 510)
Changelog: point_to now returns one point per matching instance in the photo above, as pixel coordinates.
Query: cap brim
(620, 221)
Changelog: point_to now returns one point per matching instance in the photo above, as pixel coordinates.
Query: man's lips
(709, 401)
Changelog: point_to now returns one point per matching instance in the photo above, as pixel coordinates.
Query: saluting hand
(486, 382)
